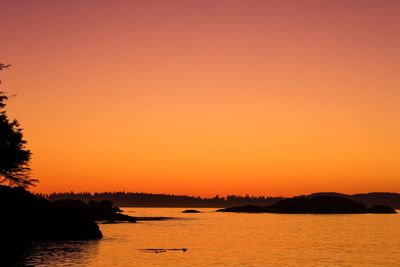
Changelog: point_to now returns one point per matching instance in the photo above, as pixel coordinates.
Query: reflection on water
(75, 253)
(229, 239)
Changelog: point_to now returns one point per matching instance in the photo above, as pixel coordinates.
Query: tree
(14, 157)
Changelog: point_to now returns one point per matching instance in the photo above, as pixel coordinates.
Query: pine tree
(14, 157)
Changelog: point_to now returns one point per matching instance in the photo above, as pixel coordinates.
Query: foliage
(14, 157)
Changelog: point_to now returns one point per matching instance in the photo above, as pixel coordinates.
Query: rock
(190, 211)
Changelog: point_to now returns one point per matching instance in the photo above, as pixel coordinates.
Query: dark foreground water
(229, 239)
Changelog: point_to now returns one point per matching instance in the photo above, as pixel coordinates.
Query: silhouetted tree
(14, 157)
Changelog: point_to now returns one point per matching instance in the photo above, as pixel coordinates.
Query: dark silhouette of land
(130, 199)
(313, 205)
(190, 211)
(25, 218)
(127, 199)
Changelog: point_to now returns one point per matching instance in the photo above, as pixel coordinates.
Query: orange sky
(206, 97)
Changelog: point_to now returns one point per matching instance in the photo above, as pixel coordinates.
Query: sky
(206, 97)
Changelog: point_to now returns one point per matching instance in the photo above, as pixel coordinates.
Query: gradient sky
(206, 97)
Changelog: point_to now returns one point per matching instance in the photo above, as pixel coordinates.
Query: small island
(191, 211)
(313, 205)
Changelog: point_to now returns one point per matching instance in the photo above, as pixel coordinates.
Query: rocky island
(191, 211)
(313, 205)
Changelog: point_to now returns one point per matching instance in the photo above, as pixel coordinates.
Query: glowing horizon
(204, 97)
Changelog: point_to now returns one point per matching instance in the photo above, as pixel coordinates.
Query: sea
(211, 238)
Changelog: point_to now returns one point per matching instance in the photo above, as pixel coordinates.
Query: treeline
(128, 199)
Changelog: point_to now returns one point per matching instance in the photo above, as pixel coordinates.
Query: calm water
(229, 239)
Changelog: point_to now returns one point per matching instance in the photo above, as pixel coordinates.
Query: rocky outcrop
(190, 211)
(25, 217)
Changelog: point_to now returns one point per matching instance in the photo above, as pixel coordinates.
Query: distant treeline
(129, 199)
